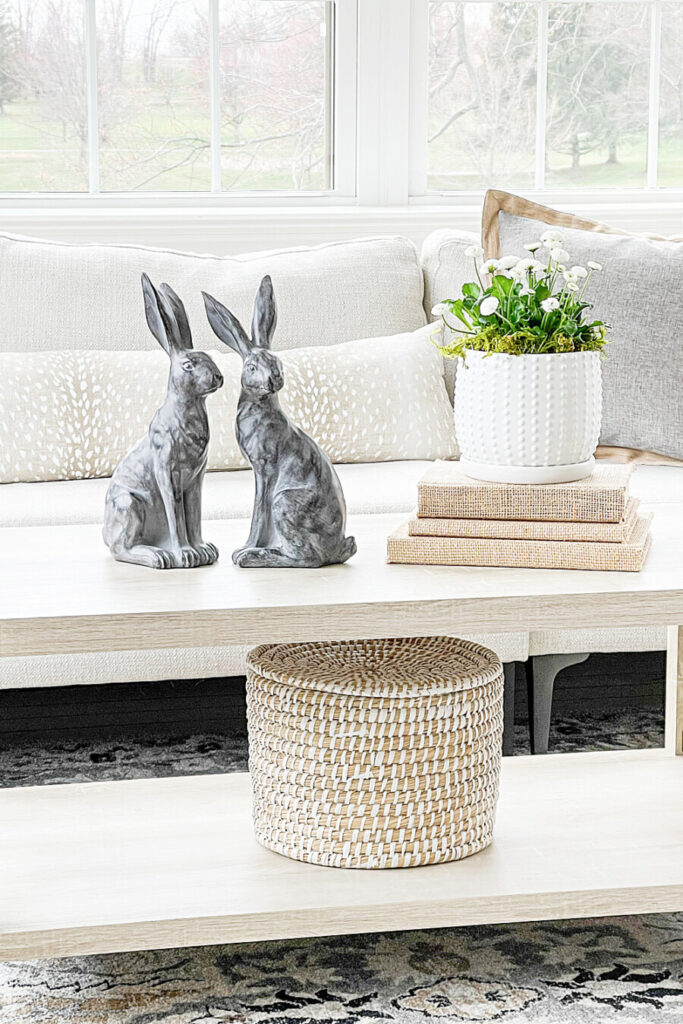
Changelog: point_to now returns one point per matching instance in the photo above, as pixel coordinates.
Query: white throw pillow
(74, 415)
(55, 295)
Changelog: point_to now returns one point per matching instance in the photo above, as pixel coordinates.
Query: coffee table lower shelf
(144, 864)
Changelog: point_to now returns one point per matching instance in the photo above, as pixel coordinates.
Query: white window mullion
(344, 19)
(419, 96)
(215, 93)
(653, 111)
(383, 101)
(91, 96)
(541, 92)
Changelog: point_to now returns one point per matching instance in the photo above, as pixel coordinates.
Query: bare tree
(157, 23)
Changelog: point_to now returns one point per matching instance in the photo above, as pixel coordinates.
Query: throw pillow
(55, 295)
(73, 415)
(639, 292)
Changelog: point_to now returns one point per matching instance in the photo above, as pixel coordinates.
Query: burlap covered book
(446, 492)
(628, 556)
(526, 529)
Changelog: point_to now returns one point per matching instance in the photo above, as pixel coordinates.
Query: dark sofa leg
(509, 674)
(542, 670)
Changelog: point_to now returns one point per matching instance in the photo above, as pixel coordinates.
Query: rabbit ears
(166, 317)
(227, 327)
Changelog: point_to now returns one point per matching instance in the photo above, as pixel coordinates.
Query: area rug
(627, 969)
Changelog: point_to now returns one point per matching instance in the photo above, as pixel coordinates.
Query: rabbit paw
(237, 554)
(187, 557)
(208, 553)
(258, 558)
(247, 557)
(162, 559)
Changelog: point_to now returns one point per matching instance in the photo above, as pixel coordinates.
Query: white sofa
(57, 296)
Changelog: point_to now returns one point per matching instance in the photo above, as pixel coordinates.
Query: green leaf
(457, 310)
(501, 286)
(471, 290)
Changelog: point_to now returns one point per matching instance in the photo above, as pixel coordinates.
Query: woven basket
(375, 753)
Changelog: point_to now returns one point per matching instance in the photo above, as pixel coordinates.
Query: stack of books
(588, 524)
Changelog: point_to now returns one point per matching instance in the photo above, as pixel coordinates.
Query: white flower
(508, 262)
(548, 305)
(532, 246)
(579, 271)
(593, 265)
(524, 265)
(489, 266)
(552, 238)
(440, 309)
(559, 255)
(569, 275)
(572, 286)
(526, 290)
(488, 305)
(538, 267)
(474, 250)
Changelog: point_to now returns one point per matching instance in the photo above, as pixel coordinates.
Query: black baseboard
(180, 705)
(609, 681)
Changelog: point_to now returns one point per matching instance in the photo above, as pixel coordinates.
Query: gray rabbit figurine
(299, 516)
(153, 512)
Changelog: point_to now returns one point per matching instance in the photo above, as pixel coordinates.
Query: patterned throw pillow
(72, 415)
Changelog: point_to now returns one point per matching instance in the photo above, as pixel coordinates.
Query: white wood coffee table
(172, 862)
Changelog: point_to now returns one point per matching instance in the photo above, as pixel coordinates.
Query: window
(167, 95)
(563, 95)
(386, 103)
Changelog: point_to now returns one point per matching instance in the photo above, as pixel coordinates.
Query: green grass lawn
(37, 155)
(594, 172)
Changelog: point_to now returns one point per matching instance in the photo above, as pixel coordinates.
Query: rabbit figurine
(299, 515)
(152, 510)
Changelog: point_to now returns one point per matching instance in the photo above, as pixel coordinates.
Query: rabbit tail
(348, 549)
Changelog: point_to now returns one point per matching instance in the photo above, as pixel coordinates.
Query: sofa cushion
(180, 663)
(445, 265)
(375, 487)
(639, 294)
(368, 488)
(55, 295)
(597, 641)
(446, 268)
(71, 415)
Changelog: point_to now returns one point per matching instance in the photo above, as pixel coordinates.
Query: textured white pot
(528, 419)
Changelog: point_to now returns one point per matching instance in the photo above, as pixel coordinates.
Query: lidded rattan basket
(375, 753)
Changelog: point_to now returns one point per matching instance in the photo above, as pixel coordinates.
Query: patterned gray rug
(584, 972)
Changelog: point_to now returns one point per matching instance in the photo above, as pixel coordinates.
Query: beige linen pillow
(639, 293)
(58, 295)
(74, 415)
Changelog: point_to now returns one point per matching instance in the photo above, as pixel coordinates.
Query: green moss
(525, 341)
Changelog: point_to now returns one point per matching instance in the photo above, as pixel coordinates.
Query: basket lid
(401, 667)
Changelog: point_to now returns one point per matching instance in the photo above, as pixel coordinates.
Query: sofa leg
(542, 670)
(509, 678)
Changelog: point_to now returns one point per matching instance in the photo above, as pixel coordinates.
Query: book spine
(517, 529)
(518, 554)
(537, 503)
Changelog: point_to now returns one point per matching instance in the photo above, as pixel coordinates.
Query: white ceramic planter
(528, 419)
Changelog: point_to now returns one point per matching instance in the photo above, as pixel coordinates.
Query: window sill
(229, 229)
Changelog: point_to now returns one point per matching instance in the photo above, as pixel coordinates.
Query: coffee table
(172, 862)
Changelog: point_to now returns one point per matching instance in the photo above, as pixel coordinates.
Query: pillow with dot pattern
(71, 415)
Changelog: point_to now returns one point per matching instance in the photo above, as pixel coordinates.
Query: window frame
(651, 192)
(380, 116)
(343, 136)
